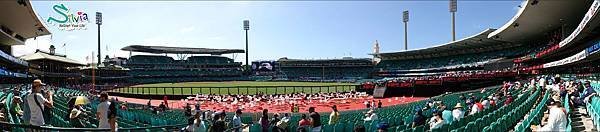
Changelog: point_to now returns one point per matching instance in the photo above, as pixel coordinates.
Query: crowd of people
(38, 102)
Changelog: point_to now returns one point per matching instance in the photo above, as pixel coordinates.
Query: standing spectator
(112, 116)
(102, 111)
(237, 120)
(334, 116)
(303, 121)
(315, 119)
(458, 113)
(264, 120)
(367, 104)
(37, 103)
(149, 104)
(418, 119)
(274, 121)
(379, 104)
(557, 119)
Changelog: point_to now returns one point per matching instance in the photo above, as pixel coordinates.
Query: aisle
(582, 123)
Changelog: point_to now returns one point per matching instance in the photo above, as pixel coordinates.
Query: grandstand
(543, 55)
(326, 69)
(157, 69)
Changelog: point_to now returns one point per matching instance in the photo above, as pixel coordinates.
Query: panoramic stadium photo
(300, 66)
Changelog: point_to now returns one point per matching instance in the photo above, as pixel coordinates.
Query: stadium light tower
(405, 20)
(453, 4)
(99, 22)
(247, 27)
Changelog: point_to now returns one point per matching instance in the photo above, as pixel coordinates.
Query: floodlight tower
(405, 20)
(99, 22)
(453, 4)
(247, 27)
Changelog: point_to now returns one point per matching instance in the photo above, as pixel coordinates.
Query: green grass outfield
(244, 87)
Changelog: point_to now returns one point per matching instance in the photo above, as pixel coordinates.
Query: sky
(293, 29)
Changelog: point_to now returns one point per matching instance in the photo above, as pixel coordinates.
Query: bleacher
(463, 60)
(154, 69)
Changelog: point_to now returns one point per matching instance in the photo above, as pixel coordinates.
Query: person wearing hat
(75, 118)
(37, 103)
(334, 116)
(557, 119)
(458, 113)
(371, 116)
(587, 92)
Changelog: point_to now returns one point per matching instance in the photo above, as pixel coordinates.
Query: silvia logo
(68, 20)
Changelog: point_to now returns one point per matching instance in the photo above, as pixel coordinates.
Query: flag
(64, 44)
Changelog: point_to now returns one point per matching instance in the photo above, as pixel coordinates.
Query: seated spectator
(283, 123)
(557, 119)
(303, 121)
(15, 108)
(436, 121)
(75, 117)
(360, 128)
(382, 127)
(418, 119)
(370, 116)
(458, 113)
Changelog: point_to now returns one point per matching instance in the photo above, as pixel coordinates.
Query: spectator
(37, 102)
(187, 110)
(334, 116)
(274, 121)
(458, 113)
(477, 107)
(418, 119)
(382, 127)
(509, 99)
(75, 117)
(219, 122)
(162, 106)
(446, 114)
(370, 116)
(283, 123)
(436, 121)
(112, 116)
(264, 120)
(379, 104)
(315, 119)
(15, 109)
(360, 128)
(237, 120)
(557, 119)
(304, 121)
(102, 111)
(368, 105)
(197, 124)
(587, 92)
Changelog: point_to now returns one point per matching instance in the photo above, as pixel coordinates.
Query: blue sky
(304, 30)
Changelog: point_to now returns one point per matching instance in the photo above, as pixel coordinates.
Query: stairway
(379, 92)
(582, 123)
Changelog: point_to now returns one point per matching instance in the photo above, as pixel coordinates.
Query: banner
(588, 16)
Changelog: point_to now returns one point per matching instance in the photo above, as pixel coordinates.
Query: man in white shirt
(457, 113)
(37, 103)
(557, 119)
(102, 111)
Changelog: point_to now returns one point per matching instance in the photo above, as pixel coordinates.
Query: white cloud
(42, 42)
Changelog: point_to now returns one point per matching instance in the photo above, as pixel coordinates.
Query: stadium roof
(179, 50)
(18, 21)
(342, 59)
(537, 17)
(473, 44)
(40, 55)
